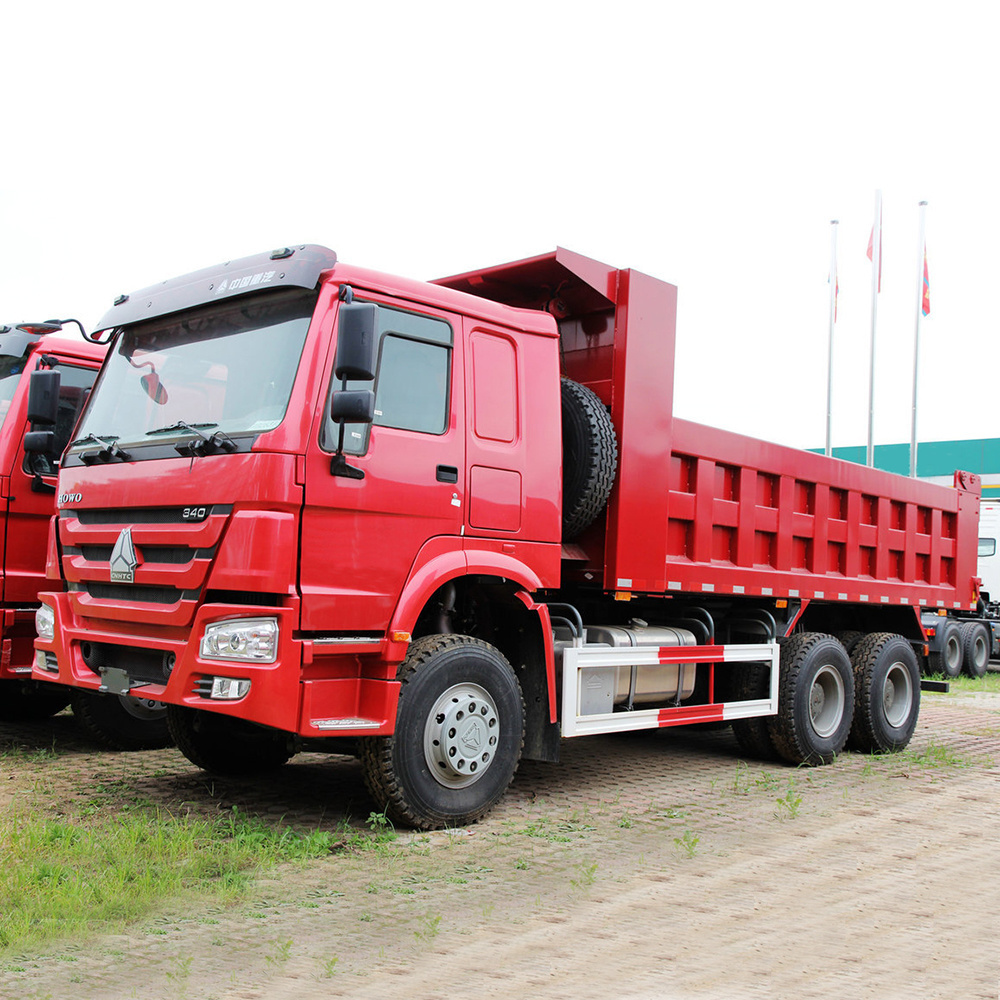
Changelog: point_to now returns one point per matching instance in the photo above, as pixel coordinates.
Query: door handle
(447, 474)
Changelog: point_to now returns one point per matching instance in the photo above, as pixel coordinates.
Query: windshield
(228, 367)
(11, 367)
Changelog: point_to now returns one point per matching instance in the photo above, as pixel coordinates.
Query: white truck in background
(967, 641)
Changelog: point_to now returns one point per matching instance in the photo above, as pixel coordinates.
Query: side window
(987, 546)
(74, 387)
(412, 381)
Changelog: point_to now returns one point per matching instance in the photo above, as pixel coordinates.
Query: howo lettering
(447, 524)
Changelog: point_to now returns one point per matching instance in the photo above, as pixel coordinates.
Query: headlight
(45, 623)
(246, 639)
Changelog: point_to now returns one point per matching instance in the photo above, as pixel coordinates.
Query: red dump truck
(28, 498)
(444, 525)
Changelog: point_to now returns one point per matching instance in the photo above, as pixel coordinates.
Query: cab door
(361, 536)
(32, 489)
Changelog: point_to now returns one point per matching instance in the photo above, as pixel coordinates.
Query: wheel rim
(897, 695)
(142, 708)
(953, 654)
(980, 655)
(826, 701)
(461, 735)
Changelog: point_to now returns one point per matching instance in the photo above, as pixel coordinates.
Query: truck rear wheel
(975, 648)
(30, 701)
(849, 639)
(590, 457)
(122, 722)
(458, 739)
(753, 735)
(225, 745)
(948, 660)
(887, 693)
(815, 699)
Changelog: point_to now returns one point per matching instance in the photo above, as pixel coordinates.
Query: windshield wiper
(180, 425)
(109, 449)
(202, 444)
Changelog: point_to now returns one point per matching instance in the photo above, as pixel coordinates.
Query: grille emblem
(123, 559)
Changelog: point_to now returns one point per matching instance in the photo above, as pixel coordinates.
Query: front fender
(438, 562)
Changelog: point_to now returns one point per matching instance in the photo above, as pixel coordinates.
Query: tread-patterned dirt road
(656, 865)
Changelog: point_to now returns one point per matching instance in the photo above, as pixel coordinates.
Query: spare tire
(590, 457)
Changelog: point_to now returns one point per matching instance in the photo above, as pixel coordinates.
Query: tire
(976, 648)
(590, 457)
(815, 700)
(753, 735)
(886, 693)
(224, 745)
(27, 701)
(849, 639)
(122, 722)
(948, 660)
(458, 739)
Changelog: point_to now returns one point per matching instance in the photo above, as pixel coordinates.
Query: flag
(925, 299)
(871, 247)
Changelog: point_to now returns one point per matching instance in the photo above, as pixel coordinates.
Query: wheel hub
(826, 701)
(461, 734)
(897, 695)
(143, 708)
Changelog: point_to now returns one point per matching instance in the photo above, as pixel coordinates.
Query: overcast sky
(708, 144)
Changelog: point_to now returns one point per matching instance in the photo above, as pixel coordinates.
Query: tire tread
(375, 752)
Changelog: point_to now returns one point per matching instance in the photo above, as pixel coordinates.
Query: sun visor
(296, 267)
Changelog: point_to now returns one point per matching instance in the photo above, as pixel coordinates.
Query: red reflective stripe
(682, 715)
(690, 654)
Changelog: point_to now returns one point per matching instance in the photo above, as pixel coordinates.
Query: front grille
(174, 555)
(149, 666)
(143, 515)
(129, 592)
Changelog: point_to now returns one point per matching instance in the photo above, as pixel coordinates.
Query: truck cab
(28, 499)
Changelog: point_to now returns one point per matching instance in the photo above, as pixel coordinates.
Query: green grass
(63, 878)
(989, 682)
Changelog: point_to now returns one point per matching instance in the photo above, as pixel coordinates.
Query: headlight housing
(248, 640)
(45, 622)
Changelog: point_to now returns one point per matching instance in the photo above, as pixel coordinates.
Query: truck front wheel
(815, 699)
(458, 739)
(224, 745)
(887, 693)
(122, 722)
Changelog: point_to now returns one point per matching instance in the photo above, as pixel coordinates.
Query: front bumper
(16, 637)
(314, 688)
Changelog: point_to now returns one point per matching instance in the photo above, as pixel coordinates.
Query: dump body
(699, 510)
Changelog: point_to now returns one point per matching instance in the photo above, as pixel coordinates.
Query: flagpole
(876, 272)
(921, 259)
(833, 322)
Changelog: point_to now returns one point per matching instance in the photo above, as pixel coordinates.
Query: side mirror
(40, 442)
(353, 407)
(43, 396)
(357, 330)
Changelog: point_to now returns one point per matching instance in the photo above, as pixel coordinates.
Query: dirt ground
(650, 865)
